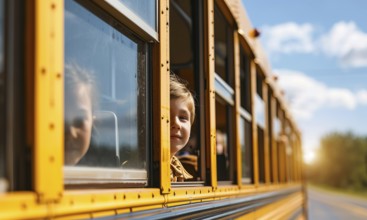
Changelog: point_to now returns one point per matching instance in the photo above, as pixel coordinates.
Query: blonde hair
(179, 90)
(77, 76)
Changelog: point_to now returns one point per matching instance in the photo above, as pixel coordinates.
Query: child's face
(180, 125)
(78, 124)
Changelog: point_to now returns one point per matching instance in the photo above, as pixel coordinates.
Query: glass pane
(184, 57)
(145, 9)
(181, 36)
(224, 141)
(261, 154)
(289, 154)
(223, 47)
(277, 127)
(2, 99)
(270, 133)
(245, 80)
(259, 99)
(281, 161)
(108, 105)
(246, 150)
(223, 90)
(260, 111)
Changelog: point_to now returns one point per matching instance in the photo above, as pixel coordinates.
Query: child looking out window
(182, 116)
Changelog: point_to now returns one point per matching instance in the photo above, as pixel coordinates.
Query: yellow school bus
(244, 152)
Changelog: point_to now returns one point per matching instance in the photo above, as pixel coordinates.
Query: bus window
(281, 139)
(223, 33)
(185, 54)
(260, 120)
(224, 141)
(245, 81)
(224, 107)
(2, 101)
(289, 151)
(246, 117)
(270, 134)
(106, 111)
(246, 150)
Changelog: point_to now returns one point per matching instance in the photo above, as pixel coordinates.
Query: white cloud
(306, 95)
(346, 42)
(289, 38)
(362, 97)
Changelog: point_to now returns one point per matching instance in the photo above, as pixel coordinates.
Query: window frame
(197, 36)
(130, 19)
(78, 176)
(262, 141)
(245, 106)
(226, 92)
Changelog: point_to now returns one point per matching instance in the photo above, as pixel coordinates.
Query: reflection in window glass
(246, 150)
(289, 154)
(2, 99)
(259, 99)
(223, 47)
(145, 9)
(105, 112)
(224, 136)
(280, 161)
(261, 154)
(270, 133)
(260, 111)
(276, 127)
(245, 75)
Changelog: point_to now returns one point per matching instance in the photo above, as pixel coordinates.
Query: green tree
(341, 161)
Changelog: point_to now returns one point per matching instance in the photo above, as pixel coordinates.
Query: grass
(349, 192)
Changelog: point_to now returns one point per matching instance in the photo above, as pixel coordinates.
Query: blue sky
(318, 48)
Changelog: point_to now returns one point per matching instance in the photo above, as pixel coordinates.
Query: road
(324, 205)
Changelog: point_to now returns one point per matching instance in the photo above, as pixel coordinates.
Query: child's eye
(184, 118)
(78, 122)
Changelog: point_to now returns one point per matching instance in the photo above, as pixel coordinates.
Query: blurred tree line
(341, 162)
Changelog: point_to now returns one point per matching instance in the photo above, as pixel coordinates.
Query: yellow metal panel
(78, 216)
(250, 216)
(189, 195)
(90, 201)
(266, 134)
(254, 125)
(103, 214)
(211, 160)
(21, 205)
(48, 127)
(165, 98)
(281, 209)
(237, 105)
(161, 99)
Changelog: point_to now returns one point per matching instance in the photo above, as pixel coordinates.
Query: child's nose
(175, 123)
(72, 131)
